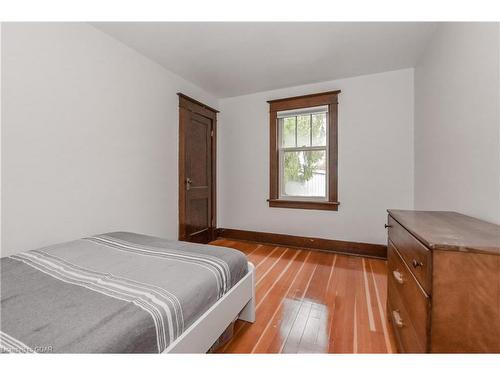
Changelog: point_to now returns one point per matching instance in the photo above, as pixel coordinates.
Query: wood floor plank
(272, 257)
(224, 242)
(316, 293)
(378, 273)
(342, 310)
(267, 296)
(244, 247)
(313, 302)
(294, 318)
(368, 336)
(282, 255)
(377, 337)
(280, 322)
(255, 252)
(291, 344)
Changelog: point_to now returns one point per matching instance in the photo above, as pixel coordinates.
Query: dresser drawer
(416, 255)
(407, 338)
(409, 300)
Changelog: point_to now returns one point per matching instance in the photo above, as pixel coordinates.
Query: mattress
(111, 293)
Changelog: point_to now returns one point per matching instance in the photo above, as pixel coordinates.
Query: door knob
(188, 183)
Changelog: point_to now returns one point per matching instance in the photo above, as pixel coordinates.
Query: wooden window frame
(330, 99)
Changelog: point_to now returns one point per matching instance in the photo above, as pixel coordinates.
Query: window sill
(305, 205)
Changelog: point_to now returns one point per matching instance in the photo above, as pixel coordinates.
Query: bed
(123, 292)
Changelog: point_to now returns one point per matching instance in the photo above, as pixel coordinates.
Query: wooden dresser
(443, 282)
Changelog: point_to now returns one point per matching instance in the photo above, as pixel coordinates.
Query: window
(302, 137)
(304, 152)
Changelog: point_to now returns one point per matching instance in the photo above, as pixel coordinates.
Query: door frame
(192, 105)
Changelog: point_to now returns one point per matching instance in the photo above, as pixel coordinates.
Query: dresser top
(445, 230)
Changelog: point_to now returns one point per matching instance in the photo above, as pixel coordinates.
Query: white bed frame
(239, 302)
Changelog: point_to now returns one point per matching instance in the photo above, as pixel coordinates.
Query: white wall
(89, 140)
(457, 126)
(375, 160)
(89, 137)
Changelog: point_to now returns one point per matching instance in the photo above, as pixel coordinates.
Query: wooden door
(197, 125)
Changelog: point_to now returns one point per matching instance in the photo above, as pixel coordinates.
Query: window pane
(303, 131)
(288, 133)
(304, 173)
(318, 125)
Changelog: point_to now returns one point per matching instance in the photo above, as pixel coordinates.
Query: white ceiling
(230, 59)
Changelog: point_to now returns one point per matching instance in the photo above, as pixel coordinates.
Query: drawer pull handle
(398, 276)
(387, 226)
(397, 319)
(415, 263)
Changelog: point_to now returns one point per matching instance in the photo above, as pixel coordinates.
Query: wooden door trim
(195, 106)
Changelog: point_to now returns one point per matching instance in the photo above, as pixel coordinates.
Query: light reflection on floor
(308, 331)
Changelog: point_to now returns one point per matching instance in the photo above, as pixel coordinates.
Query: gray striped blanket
(116, 292)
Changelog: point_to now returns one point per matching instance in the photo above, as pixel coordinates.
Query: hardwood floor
(313, 302)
